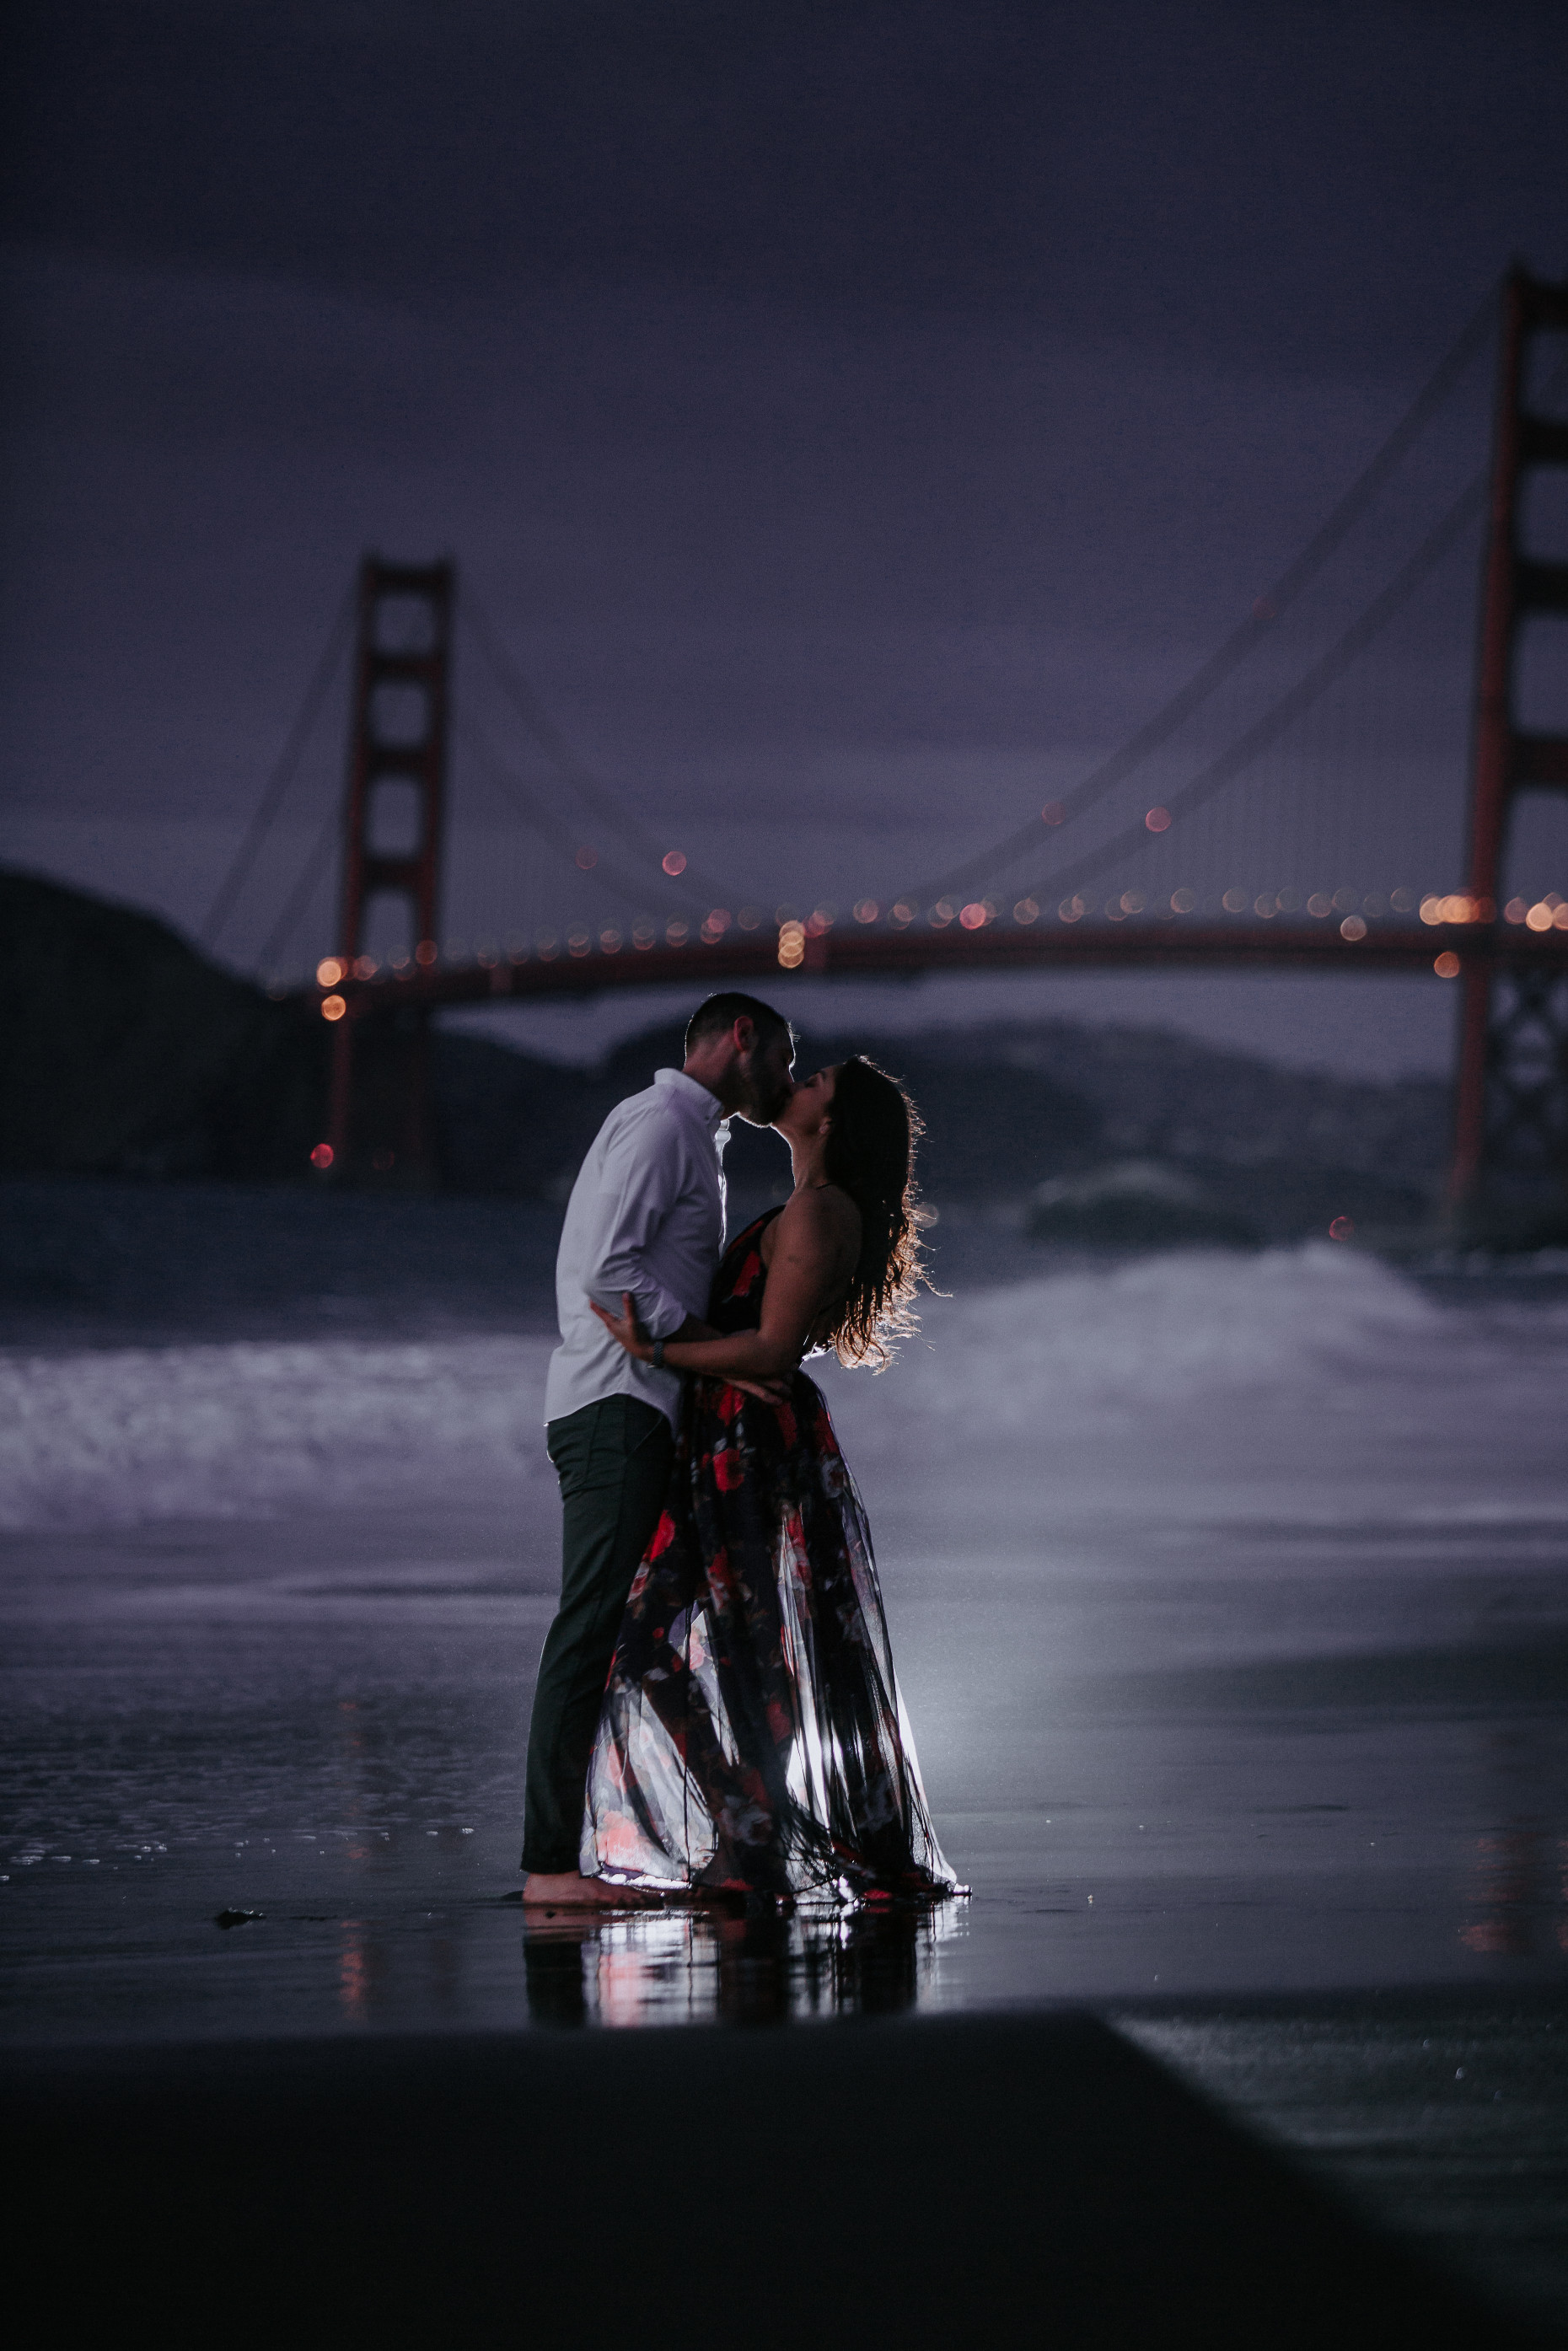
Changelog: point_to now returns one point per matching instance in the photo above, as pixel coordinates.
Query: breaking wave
(120, 1435)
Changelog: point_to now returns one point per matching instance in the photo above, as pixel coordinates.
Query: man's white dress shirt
(646, 1214)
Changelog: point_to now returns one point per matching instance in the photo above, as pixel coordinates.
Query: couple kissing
(717, 1714)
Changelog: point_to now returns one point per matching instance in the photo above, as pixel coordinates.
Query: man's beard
(761, 1109)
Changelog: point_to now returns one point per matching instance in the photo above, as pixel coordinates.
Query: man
(646, 1215)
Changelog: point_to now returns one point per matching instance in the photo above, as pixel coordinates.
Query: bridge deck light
(425, 954)
(1235, 902)
(1320, 905)
(1352, 928)
(749, 918)
(903, 912)
(791, 944)
(867, 910)
(1184, 901)
(329, 971)
(973, 916)
(1071, 910)
(1516, 911)
(333, 1008)
(673, 863)
(1540, 916)
(1027, 910)
(677, 933)
(1446, 964)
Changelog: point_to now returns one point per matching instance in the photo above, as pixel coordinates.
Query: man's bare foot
(568, 1889)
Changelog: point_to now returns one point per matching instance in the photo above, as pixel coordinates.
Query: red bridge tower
(380, 1128)
(1510, 1155)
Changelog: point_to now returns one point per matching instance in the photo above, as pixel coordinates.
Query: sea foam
(124, 1435)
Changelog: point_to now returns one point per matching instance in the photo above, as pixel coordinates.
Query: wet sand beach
(1229, 1596)
(984, 2179)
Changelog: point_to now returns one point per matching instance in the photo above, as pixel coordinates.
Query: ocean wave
(128, 1434)
(134, 1434)
(1159, 1328)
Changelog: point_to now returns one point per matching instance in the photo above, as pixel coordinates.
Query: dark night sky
(856, 417)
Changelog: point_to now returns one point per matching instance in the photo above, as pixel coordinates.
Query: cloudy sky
(856, 419)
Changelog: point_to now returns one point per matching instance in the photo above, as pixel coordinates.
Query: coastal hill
(125, 1053)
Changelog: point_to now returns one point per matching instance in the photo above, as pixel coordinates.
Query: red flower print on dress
(729, 1469)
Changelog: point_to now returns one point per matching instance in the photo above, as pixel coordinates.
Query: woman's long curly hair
(871, 1155)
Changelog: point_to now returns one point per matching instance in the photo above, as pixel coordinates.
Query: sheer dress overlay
(752, 1736)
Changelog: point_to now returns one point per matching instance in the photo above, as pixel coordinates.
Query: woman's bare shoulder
(821, 1221)
(819, 1216)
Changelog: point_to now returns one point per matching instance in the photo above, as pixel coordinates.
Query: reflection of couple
(717, 1709)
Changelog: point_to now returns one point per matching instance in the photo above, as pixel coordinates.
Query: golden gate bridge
(1253, 765)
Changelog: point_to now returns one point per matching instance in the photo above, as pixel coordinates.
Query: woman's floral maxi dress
(752, 1736)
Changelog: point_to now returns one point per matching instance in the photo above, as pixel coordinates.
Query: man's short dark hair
(721, 1012)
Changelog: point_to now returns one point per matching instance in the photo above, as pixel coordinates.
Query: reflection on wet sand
(745, 1967)
(1517, 1880)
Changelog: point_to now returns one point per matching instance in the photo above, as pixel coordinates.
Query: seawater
(1228, 1591)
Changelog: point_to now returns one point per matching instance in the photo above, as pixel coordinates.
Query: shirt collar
(688, 1089)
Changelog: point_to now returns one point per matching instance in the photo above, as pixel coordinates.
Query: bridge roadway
(752, 959)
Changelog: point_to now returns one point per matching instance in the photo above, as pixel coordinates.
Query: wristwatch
(658, 1355)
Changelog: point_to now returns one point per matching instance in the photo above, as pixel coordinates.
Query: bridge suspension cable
(311, 875)
(1251, 633)
(691, 883)
(282, 775)
(1309, 688)
(518, 795)
(1299, 697)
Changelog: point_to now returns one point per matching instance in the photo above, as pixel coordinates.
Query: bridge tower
(1510, 1155)
(379, 1125)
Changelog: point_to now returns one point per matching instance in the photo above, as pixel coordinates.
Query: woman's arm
(813, 1260)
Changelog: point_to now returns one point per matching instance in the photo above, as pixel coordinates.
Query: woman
(752, 1738)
